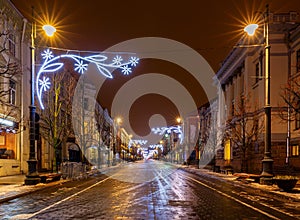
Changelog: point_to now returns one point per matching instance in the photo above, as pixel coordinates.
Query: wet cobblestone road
(148, 190)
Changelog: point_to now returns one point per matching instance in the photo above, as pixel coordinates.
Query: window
(227, 150)
(12, 44)
(85, 103)
(7, 146)
(232, 107)
(298, 61)
(12, 92)
(256, 147)
(297, 121)
(259, 68)
(257, 72)
(86, 127)
(295, 150)
(242, 84)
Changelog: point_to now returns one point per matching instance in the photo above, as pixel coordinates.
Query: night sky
(209, 27)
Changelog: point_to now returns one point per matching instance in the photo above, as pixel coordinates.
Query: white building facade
(15, 90)
(243, 85)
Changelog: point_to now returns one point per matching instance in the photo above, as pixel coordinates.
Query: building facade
(241, 109)
(14, 83)
(52, 148)
(293, 98)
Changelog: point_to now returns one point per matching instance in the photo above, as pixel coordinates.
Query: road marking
(27, 216)
(235, 199)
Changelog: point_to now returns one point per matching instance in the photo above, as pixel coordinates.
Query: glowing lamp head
(119, 120)
(178, 120)
(49, 30)
(250, 29)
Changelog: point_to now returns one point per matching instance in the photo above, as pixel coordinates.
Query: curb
(6, 199)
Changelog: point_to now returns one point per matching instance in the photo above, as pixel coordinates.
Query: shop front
(9, 153)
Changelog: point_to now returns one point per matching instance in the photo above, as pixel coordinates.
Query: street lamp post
(32, 178)
(267, 162)
(267, 173)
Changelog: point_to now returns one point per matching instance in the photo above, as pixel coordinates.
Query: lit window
(86, 127)
(227, 150)
(295, 150)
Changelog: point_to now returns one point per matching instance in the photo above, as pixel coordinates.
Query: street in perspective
(149, 109)
(170, 193)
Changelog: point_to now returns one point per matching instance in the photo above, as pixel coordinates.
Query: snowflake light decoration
(175, 129)
(155, 146)
(80, 67)
(117, 60)
(45, 83)
(137, 142)
(105, 67)
(126, 70)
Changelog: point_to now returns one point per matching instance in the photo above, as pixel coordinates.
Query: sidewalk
(235, 179)
(12, 187)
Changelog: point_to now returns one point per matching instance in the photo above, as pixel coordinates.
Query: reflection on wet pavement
(150, 190)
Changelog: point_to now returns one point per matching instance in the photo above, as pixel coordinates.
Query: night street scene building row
(236, 129)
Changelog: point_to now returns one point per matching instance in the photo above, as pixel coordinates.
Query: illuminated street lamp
(32, 178)
(178, 120)
(119, 121)
(250, 29)
(51, 64)
(49, 30)
(267, 162)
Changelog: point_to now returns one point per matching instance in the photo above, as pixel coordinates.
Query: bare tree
(291, 96)
(102, 132)
(82, 114)
(10, 76)
(210, 140)
(244, 129)
(56, 123)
